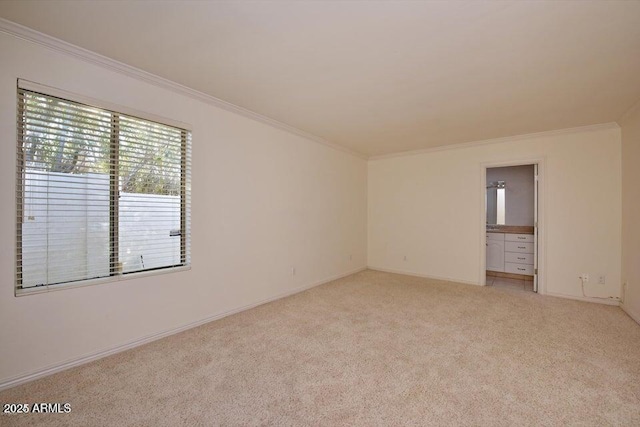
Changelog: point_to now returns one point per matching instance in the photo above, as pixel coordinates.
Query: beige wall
(429, 207)
(264, 201)
(631, 211)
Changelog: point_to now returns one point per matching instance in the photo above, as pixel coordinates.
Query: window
(100, 194)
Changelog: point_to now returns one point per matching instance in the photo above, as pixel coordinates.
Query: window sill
(102, 280)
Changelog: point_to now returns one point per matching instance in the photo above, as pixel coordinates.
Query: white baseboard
(635, 316)
(58, 367)
(585, 299)
(466, 282)
(414, 274)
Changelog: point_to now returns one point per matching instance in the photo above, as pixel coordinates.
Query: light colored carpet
(370, 349)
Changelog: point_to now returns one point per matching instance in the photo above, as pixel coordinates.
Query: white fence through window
(66, 238)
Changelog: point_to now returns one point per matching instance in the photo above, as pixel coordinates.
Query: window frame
(116, 111)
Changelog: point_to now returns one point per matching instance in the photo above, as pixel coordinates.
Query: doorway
(511, 211)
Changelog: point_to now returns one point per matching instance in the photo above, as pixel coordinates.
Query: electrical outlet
(585, 277)
(602, 279)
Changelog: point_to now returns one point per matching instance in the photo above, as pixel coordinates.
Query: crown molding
(588, 128)
(33, 36)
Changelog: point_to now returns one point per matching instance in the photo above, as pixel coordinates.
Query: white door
(535, 227)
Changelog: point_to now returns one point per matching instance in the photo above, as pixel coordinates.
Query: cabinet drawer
(518, 258)
(510, 267)
(526, 248)
(527, 238)
(495, 236)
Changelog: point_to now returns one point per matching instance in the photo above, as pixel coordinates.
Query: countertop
(511, 229)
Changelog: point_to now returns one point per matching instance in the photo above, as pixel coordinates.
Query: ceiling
(376, 77)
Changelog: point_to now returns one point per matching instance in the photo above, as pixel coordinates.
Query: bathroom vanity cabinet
(510, 253)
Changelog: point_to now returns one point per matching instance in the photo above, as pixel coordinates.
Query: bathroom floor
(514, 284)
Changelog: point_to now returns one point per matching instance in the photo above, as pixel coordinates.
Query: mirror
(496, 203)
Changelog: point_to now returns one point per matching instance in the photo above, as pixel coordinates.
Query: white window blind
(100, 194)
